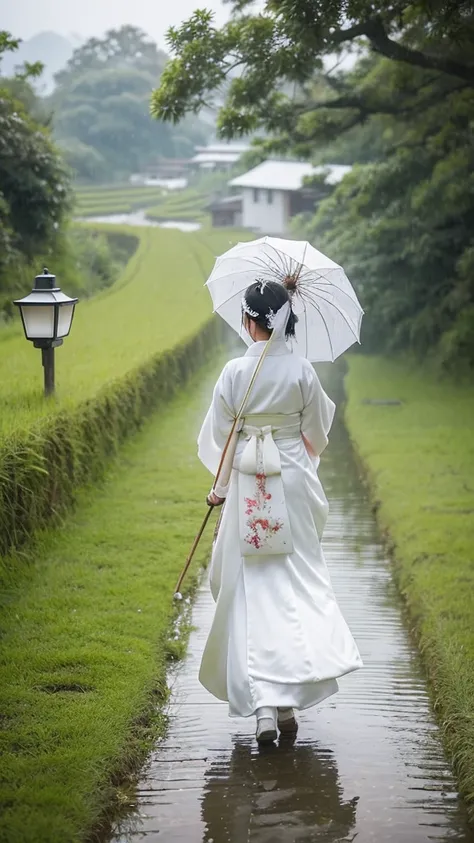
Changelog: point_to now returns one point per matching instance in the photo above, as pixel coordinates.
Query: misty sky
(25, 18)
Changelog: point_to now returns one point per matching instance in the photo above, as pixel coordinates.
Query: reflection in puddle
(280, 793)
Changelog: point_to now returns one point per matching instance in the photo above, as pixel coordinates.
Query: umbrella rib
(313, 299)
(305, 330)
(330, 284)
(305, 279)
(283, 270)
(226, 277)
(340, 309)
(314, 303)
(327, 330)
(258, 263)
(280, 270)
(304, 253)
(280, 249)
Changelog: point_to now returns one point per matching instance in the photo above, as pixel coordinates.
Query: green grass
(420, 461)
(85, 632)
(158, 301)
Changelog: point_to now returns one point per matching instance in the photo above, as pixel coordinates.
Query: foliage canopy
(101, 104)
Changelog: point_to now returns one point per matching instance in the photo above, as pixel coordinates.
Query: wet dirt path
(368, 764)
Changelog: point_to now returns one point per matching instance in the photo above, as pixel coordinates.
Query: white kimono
(278, 637)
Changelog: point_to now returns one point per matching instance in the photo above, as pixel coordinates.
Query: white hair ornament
(278, 320)
(248, 310)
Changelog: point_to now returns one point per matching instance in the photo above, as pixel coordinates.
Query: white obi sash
(264, 524)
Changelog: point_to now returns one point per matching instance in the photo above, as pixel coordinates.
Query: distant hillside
(53, 50)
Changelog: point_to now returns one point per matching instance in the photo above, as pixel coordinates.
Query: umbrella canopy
(329, 314)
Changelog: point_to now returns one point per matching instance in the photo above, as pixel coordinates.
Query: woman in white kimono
(278, 639)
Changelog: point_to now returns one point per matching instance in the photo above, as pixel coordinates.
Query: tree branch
(366, 109)
(374, 30)
(399, 52)
(349, 102)
(338, 85)
(353, 32)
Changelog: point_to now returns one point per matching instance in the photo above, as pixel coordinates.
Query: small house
(274, 192)
(218, 157)
(226, 212)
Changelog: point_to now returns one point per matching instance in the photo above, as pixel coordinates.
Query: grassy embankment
(117, 330)
(420, 462)
(86, 634)
(129, 348)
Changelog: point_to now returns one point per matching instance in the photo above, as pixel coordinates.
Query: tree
(83, 159)
(102, 107)
(404, 228)
(34, 194)
(125, 47)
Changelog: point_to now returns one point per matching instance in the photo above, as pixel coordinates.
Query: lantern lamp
(47, 315)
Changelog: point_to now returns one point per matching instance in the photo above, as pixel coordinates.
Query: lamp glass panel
(39, 321)
(65, 318)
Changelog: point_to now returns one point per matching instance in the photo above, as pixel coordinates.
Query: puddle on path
(367, 766)
(140, 218)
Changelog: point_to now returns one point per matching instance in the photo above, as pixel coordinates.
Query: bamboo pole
(177, 593)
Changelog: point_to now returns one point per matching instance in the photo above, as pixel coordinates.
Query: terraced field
(179, 205)
(183, 205)
(117, 199)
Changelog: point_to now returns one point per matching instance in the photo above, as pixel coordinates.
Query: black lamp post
(47, 315)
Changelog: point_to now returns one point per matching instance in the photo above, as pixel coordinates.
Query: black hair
(264, 297)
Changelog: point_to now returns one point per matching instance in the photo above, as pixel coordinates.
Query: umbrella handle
(242, 408)
(177, 593)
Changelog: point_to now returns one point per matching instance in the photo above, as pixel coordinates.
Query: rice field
(184, 205)
(117, 199)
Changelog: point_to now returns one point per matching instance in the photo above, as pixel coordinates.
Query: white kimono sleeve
(217, 424)
(318, 411)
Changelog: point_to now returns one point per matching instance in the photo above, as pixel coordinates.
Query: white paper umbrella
(329, 313)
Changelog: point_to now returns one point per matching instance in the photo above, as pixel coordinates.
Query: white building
(220, 156)
(273, 192)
